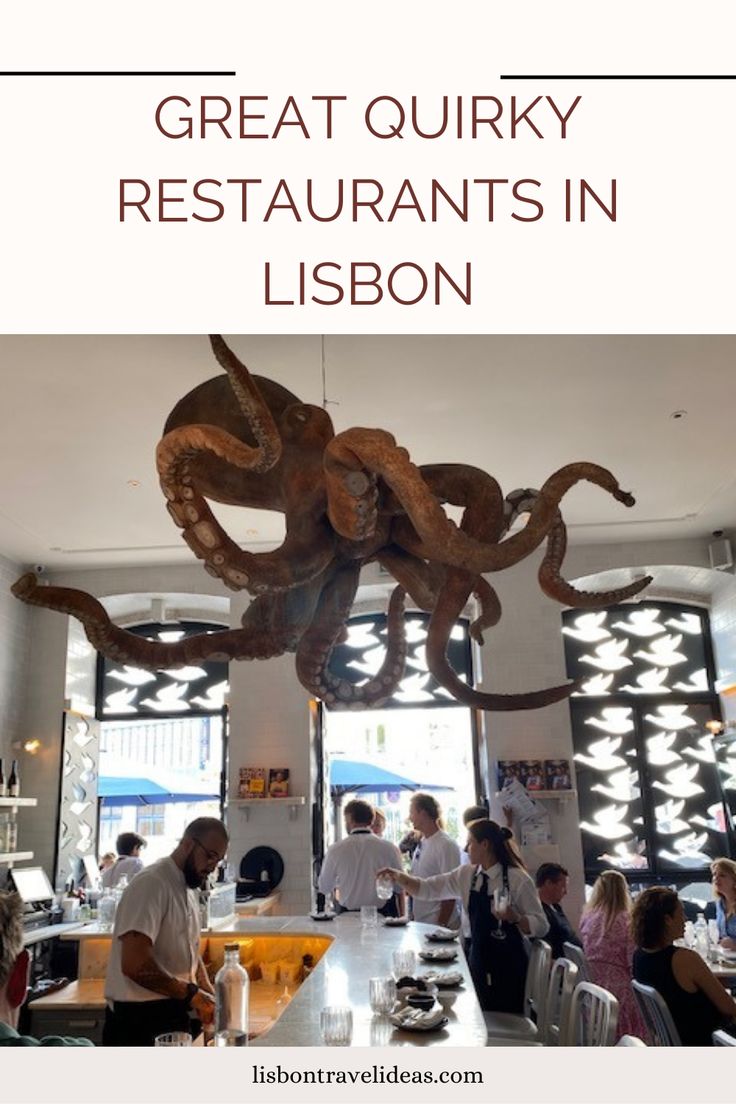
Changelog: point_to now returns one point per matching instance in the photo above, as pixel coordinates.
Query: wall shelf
(18, 802)
(7, 858)
(245, 804)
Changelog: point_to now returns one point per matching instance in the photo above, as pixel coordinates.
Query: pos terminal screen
(32, 884)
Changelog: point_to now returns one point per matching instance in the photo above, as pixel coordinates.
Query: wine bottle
(2, 780)
(14, 780)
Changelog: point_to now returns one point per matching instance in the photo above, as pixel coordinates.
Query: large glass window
(162, 746)
(421, 739)
(650, 792)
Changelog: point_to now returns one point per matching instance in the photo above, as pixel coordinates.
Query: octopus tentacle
(295, 562)
(483, 519)
(250, 400)
(455, 595)
(421, 580)
(126, 647)
(554, 586)
(352, 512)
(490, 608)
(316, 646)
(301, 557)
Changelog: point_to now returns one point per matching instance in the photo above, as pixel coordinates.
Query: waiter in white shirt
(436, 854)
(155, 975)
(350, 866)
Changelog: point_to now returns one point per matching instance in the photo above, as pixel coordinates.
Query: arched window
(650, 792)
(163, 744)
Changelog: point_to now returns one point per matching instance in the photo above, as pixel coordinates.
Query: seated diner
(697, 1001)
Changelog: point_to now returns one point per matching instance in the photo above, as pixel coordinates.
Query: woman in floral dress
(608, 946)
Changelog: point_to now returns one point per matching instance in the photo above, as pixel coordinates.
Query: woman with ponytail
(503, 906)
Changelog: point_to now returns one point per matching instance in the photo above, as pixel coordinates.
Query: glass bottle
(2, 781)
(14, 780)
(701, 935)
(120, 887)
(231, 1000)
(106, 910)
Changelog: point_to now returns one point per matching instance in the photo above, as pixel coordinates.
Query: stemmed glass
(501, 904)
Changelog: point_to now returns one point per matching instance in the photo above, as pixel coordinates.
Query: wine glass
(501, 903)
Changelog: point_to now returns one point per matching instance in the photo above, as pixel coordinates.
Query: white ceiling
(80, 416)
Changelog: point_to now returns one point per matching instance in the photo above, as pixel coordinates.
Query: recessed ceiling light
(251, 532)
(676, 415)
(134, 483)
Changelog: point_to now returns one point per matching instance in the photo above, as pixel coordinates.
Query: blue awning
(348, 776)
(142, 791)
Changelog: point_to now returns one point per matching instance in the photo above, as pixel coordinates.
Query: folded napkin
(415, 1018)
(443, 933)
(441, 977)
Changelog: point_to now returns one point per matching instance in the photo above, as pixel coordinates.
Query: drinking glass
(381, 1030)
(501, 902)
(384, 887)
(173, 1038)
(369, 916)
(405, 963)
(336, 1025)
(382, 992)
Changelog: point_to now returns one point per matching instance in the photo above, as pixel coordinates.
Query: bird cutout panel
(127, 691)
(597, 686)
(613, 720)
(80, 758)
(646, 772)
(641, 649)
(363, 652)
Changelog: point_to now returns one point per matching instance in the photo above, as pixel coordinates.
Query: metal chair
(722, 1038)
(576, 955)
(656, 1015)
(633, 1040)
(530, 1024)
(563, 977)
(593, 1017)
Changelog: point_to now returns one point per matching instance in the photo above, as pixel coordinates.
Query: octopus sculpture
(348, 499)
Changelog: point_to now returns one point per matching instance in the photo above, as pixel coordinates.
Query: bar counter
(347, 956)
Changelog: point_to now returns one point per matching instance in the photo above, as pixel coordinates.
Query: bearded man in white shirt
(437, 853)
(156, 980)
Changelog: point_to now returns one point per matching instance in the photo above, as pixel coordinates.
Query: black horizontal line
(618, 76)
(118, 73)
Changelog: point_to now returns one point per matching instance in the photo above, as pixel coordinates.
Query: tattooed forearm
(151, 976)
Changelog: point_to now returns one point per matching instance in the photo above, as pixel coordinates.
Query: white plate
(441, 936)
(435, 1024)
(450, 980)
(439, 954)
(322, 915)
(396, 921)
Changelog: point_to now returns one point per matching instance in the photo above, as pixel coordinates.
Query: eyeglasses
(212, 856)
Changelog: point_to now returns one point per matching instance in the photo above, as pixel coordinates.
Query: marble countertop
(341, 977)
